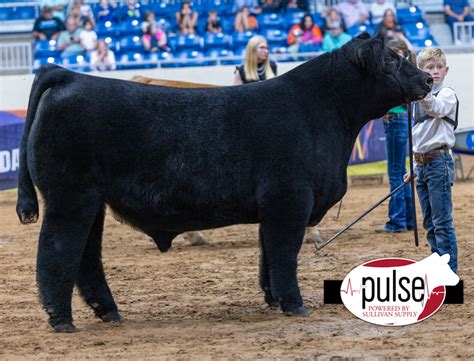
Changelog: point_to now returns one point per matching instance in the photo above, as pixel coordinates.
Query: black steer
(171, 160)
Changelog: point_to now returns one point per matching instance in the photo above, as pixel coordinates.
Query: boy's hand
(407, 178)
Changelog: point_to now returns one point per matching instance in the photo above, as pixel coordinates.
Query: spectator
(353, 12)
(271, 6)
(69, 40)
(154, 39)
(332, 16)
(186, 19)
(58, 6)
(47, 26)
(88, 36)
(244, 21)
(106, 10)
(74, 12)
(103, 58)
(252, 5)
(335, 38)
(150, 19)
(310, 31)
(378, 8)
(81, 12)
(213, 24)
(295, 4)
(457, 11)
(130, 11)
(389, 29)
(257, 64)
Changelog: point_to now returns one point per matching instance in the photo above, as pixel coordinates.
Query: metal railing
(462, 32)
(16, 57)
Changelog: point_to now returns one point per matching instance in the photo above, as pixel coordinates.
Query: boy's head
(433, 61)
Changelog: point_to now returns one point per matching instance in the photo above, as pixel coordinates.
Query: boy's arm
(441, 105)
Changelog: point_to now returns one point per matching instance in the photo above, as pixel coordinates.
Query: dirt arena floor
(204, 303)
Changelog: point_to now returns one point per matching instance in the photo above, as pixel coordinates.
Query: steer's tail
(27, 203)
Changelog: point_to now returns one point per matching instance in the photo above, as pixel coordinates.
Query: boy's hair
(430, 54)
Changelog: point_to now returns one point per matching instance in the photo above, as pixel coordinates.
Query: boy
(433, 136)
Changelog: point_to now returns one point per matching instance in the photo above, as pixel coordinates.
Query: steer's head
(390, 79)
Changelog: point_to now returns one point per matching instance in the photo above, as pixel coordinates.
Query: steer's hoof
(271, 301)
(65, 328)
(297, 311)
(112, 316)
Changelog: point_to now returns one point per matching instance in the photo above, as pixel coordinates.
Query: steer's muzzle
(421, 87)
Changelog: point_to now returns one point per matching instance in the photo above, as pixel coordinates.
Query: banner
(11, 129)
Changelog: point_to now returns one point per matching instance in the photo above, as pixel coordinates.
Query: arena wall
(15, 88)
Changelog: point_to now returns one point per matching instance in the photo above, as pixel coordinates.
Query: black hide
(171, 160)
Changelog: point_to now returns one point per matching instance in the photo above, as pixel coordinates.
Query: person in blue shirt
(457, 11)
(47, 26)
(335, 37)
(251, 4)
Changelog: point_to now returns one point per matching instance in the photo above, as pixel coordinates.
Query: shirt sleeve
(36, 25)
(441, 105)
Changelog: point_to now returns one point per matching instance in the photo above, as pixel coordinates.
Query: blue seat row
(17, 13)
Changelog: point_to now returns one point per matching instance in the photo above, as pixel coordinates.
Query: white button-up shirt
(436, 132)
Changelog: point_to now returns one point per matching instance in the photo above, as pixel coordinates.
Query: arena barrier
(11, 129)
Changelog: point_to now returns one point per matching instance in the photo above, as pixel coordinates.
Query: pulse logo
(397, 291)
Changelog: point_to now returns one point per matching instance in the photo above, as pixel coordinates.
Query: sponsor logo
(397, 291)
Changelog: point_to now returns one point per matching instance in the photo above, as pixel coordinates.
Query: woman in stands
(389, 29)
(154, 39)
(310, 32)
(103, 58)
(332, 16)
(245, 21)
(81, 12)
(257, 64)
(186, 19)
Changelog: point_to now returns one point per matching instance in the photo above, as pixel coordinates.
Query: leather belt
(425, 158)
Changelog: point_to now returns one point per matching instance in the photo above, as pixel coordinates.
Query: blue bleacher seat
(190, 54)
(23, 13)
(273, 21)
(360, 28)
(293, 18)
(275, 37)
(130, 43)
(130, 27)
(222, 53)
(416, 31)
(318, 19)
(163, 9)
(138, 60)
(181, 42)
(5, 13)
(77, 62)
(240, 39)
(227, 23)
(46, 48)
(222, 7)
(240, 51)
(309, 48)
(411, 14)
(421, 43)
(106, 28)
(164, 23)
(217, 41)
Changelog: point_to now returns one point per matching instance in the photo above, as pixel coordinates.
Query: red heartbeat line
(427, 291)
(349, 288)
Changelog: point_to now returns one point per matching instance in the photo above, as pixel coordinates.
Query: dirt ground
(204, 302)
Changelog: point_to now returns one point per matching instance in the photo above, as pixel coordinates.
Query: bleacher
(202, 49)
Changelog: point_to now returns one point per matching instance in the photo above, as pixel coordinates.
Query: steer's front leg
(284, 219)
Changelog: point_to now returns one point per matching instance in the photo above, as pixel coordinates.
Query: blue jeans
(433, 184)
(400, 208)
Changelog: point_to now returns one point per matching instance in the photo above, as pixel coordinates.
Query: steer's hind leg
(265, 273)
(284, 218)
(67, 222)
(91, 279)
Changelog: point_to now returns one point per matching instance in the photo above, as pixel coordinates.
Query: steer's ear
(370, 56)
